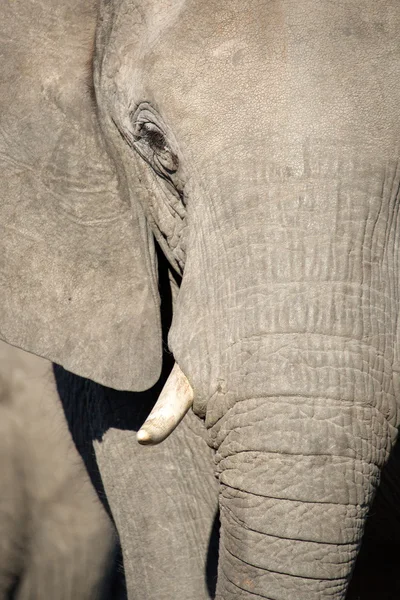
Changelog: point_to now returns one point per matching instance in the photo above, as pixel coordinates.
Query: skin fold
(258, 142)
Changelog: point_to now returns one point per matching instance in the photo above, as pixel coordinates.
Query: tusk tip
(143, 437)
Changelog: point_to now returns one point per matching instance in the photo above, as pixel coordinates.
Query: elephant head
(259, 143)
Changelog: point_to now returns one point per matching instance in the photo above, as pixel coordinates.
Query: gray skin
(50, 517)
(260, 143)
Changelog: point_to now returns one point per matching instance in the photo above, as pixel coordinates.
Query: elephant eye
(151, 144)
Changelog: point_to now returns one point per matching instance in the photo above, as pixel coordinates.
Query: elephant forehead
(184, 43)
(221, 72)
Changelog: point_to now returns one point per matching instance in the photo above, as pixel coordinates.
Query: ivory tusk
(175, 400)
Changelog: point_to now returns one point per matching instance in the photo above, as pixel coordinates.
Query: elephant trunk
(298, 460)
(293, 358)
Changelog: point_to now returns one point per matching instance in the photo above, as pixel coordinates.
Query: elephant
(50, 517)
(257, 144)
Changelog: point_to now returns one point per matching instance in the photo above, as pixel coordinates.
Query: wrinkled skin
(50, 518)
(260, 141)
(285, 120)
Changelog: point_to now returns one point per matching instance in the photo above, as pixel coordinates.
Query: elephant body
(56, 540)
(165, 505)
(259, 144)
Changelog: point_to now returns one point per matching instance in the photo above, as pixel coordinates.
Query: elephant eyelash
(150, 142)
(153, 137)
(162, 160)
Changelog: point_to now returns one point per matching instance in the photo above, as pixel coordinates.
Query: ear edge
(79, 283)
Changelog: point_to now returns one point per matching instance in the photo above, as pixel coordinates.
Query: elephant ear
(78, 278)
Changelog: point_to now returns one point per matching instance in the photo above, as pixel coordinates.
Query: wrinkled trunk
(304, 419)
(299, 321)
(298, 470)
(302, 428)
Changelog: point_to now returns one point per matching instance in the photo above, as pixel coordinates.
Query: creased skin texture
(292, 511)
(297, 474)
(304, 410)
(286, 116)
(285, 119)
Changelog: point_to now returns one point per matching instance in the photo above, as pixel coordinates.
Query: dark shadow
(12, 592)
(377, 572)
(212, 557)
